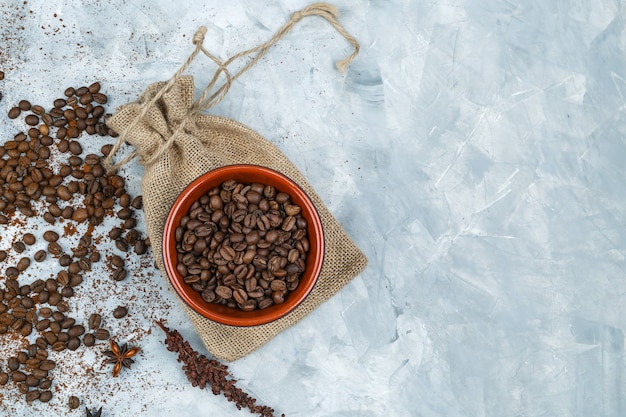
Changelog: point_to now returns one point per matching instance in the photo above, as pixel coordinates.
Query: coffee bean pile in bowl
(243, 245)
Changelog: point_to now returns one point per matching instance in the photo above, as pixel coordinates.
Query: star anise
(120, 356)
(95, 413)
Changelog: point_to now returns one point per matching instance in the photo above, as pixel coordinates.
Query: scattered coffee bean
(119, 274)
(45, 396)
(77, 190)
(102, 334)
(19, 246)
(73, 402)
(119, 312)
(94, 321)
(89, 340)
(29, 239)
(14, 112)
(50, 236)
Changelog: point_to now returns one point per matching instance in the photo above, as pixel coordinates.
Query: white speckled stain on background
(474, 151)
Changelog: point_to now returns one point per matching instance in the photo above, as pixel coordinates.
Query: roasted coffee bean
(94, 321)
(131, 236)
(45, 396)
(72, 267)
(19, 246)
(32, 395)
(89, 340)
(14, 112)
(12, 272)
(54, 298)
(27, 302)
(77, 330)
(64, 193)
(278, 297)
(73, 343)
(80, 251)
(67, 323)
(102, 334)
(66, 292)
(18, 376)
(63, 146)
(94, 257)
(22, 264)
(32, 351)
(24, 105)
(73, 402)
(42, 344)
(240, 296)
(13, 363)
(40, 255)
(45, 312)
(84, 264)
(75, 280)
(63, 278)
(65, 260)
(22, 387)
(115, 233)
(54, 248)
(42, 324)
(122, 245)
(125, 213)
(117, 261)
(32, 120)
(29, 238)
(40, 373)
(32, 381)
(140, 247)
(224, 291)
(45, 383)
(227, 252)
(137, 203)
(80, 215)
(59, 345)
(50, 236)
(119, 312)
(119, 274)
(4, 378)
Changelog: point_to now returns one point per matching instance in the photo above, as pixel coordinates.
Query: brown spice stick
(202, 371)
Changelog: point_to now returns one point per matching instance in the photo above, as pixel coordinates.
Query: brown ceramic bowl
(246, 174)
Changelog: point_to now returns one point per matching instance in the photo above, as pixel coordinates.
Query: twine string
(208, 99)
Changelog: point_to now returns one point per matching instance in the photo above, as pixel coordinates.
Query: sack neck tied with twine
(210, 98)
(176, 143)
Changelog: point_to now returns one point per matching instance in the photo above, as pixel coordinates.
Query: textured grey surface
(474, 150)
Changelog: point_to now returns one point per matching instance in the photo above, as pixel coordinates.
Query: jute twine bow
(208, 99)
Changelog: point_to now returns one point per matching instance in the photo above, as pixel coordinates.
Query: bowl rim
(241, 318)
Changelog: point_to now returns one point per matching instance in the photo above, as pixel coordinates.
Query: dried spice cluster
(203, 372)
(47, 167)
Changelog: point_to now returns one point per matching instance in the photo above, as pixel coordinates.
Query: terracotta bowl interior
(245, 174)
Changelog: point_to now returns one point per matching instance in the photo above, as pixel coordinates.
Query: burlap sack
(176, 144)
